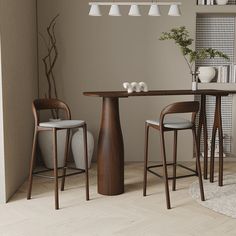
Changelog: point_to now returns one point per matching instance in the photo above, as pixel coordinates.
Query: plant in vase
(45, 138)
(183, 40)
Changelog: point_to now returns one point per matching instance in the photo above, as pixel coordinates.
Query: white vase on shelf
(222, 2)
(206, 73)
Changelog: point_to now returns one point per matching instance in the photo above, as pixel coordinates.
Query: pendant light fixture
(154, 10)
(174, 10)
(134, 8)
(95, 10)
(114, 11)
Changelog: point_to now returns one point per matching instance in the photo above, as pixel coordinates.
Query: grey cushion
(62, 124)
(173, 123)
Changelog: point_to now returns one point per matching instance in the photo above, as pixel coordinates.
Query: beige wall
(100, 53)
(19, 84)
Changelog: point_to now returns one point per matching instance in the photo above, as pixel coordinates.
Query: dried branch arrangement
(49, 62)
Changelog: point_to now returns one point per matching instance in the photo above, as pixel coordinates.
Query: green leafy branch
(182, 38)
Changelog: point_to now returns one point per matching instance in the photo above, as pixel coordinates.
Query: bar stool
(165, 124)
(68, 124)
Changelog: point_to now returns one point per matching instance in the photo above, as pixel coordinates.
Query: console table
(110, 141)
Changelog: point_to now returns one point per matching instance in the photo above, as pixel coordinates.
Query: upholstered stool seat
(173, 123)
(62, 124)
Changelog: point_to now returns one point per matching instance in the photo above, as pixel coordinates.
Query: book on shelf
(224, 75)
(205, 2)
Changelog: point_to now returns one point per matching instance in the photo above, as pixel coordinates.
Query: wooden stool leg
(165, 170)
(55, 168)
(212, 158)
(32, 164)
(145, 160)
(66, 157)
(86, 160)
(174, 160)
(198, 166)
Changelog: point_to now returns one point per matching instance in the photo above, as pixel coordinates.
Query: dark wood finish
(66, 157)
(174, 160)
(110, 150)
(203, 125)
(199, 172)
(86, 161)
(124, 94)
(48, 104)
(54, 135)
(217, 125)
(145, 159)
(165, 173)
(180, 107)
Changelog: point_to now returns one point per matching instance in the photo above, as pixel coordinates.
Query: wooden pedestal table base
(110, 150)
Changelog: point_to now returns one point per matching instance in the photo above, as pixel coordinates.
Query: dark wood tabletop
(124, 94)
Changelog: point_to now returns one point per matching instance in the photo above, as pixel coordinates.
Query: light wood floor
(126, 214)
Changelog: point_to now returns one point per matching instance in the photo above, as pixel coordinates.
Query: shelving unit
(216, 27)
(217, 9)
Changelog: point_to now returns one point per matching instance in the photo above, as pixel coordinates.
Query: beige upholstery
(173, 123)
(63, 124)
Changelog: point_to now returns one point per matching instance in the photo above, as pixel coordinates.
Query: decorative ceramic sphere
(78, 148)
(206, 73)
(222, 2)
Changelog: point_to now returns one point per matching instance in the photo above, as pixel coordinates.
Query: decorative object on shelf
(206, 73)
(222, 2)
(78, 148)
(181, 37)
(135, 87)
(134, 8)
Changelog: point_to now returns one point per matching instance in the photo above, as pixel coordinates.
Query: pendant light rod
(134, 3)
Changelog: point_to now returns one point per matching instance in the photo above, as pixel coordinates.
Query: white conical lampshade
(114, 11)
(134, 11)
(95, 10)
(154, 10)
(174, 10)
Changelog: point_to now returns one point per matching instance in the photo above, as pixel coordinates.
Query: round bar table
(110, 153)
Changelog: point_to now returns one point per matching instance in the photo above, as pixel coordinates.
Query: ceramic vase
(78, 148)
(206, 73)
(45, 141)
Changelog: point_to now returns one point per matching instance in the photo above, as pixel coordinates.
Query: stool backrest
(180, 107)
(49, 104)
